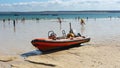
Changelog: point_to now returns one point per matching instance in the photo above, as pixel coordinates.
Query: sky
(58, 5)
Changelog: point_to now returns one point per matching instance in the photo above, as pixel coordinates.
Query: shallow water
(15, 38)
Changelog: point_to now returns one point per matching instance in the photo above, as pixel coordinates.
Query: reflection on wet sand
(82, 26)
(13, 22)
(14, 25)
(14, 29)
(4, 25)
(82, 30)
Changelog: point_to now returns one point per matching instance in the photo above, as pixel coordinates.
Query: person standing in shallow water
(59, 20)
(14, 23)
(82, 22)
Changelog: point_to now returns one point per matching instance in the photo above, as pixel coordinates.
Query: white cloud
(62, 5)
(5, 5)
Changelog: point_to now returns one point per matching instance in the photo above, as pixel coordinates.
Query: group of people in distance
(71, 34)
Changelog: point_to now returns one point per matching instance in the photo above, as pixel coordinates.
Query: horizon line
(67, 11)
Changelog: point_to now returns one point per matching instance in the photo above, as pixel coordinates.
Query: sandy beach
(103, 50)
(28, 27)
(102, 53)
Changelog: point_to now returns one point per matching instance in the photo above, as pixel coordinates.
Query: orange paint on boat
(47, 44)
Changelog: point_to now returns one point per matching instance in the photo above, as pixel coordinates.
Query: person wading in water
(59, 20)
(82, 22)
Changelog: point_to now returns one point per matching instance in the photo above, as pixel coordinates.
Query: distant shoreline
(60, 12)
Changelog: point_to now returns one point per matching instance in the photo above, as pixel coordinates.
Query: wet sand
(103, 51)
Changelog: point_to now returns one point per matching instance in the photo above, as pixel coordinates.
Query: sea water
(53, 16)
(15, 38)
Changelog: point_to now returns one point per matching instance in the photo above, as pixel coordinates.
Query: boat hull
(48, 44)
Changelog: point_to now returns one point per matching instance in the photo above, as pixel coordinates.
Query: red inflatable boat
(52, 41)
(44, 44)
